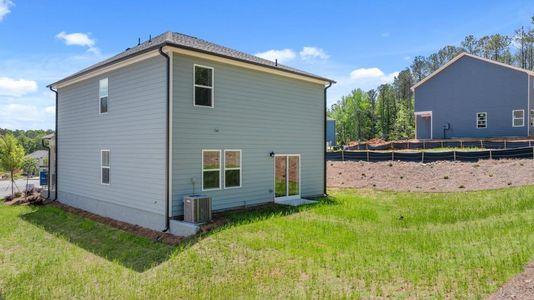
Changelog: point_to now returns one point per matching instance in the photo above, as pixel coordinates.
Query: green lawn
(358, 244)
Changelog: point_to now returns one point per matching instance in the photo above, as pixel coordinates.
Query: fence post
(423, 156)
(392, 155)
(342, 154)
(491, 155)
(408, 144)
(481, 144)
(454, 155)
(504, 144)
(461, 144)
(367, 155)
(424, 146)
(530, 143)
(441, 144)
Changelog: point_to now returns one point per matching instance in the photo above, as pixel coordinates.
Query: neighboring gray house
(178, 115)
(331, 132)
(41, 156)
(474, 97)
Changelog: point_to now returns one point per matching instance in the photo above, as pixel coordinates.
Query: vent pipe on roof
(149, 38)
(138, 41)
(276, 62)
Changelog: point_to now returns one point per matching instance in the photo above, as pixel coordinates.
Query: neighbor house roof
(194, 44)
(463, 54)
(38, 154)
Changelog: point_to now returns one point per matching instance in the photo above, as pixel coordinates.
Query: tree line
(30, 140)
(387, 112)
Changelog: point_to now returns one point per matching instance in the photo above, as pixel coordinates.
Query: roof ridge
(180, 40)
(464, 53)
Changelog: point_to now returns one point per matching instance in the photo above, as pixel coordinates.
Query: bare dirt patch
(431, 177)
(520, 287)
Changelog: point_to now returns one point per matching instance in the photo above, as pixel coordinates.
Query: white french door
(286, 176)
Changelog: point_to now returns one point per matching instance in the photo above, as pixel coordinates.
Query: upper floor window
(482, 119)
(103, 95)
(203, 86)
(518, 118)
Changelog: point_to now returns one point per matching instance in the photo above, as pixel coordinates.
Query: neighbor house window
(232, 168)
(203, 86)
(532, 117)
(211, 169)
(482, 120)
(518, 118)
(103, 95)
(104, 166)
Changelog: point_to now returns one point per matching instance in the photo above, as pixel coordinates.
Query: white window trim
(230, 169)
(220, 169)
(212, 87)
(287, 167)
(514, 118)
(101, 96)
(106, 167)
(486, 119)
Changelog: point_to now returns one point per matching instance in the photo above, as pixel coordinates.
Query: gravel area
(443, 176)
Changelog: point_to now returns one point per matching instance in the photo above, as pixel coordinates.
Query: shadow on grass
(135, 252)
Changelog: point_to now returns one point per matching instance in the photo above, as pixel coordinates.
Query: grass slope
(358, 244)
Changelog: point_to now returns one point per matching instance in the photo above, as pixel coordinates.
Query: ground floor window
(211, 169)
(482, 119)
(232, 168)
(518, 118)
(104, 166)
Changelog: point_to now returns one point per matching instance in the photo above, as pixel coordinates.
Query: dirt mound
(439, 176)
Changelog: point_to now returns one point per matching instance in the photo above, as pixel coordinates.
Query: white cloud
(407, 58)
(374, 74)
(282, 56)
(78, 39)
(308, 53)
(5, 6)
(50, 109)
(363, 73)
(24, 116)
(389, 78)
(16, 87)
(385, 34)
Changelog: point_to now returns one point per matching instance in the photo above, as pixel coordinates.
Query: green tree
(386, 110)
(11, 156)
(30, 166)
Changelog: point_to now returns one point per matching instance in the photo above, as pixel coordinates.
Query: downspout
(48, 181)
(167, 218)
(324, 140)
(57, 148)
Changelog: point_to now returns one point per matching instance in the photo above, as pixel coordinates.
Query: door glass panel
(280, 186)
(293, 176)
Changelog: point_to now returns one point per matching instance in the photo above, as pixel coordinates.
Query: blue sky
(357, 43)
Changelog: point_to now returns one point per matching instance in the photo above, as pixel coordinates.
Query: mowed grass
(358, 244)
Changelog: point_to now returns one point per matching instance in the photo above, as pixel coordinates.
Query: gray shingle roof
(38, 154)
(195, 44)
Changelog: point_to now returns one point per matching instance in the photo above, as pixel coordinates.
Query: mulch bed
(164, 237)
(34, 199)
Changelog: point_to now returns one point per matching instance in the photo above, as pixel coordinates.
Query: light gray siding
(469, 86)
(133, 130)
(255, 112)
